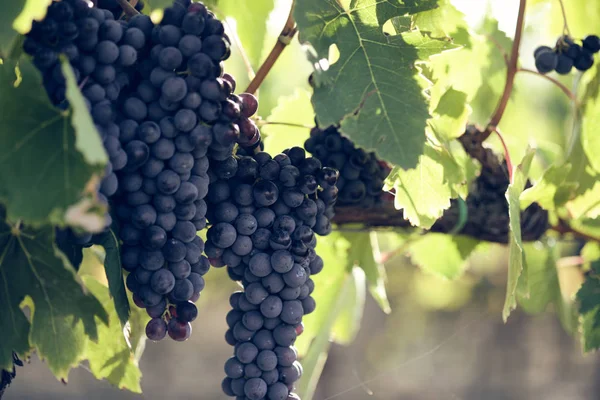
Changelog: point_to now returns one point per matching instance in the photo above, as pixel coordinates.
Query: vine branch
(511, 71)
(563, 228)
(284, 39)
(128, 9)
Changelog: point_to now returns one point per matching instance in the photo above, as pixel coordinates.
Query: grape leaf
(590, 333)
(111, 358)
(550, 190)
(544, 288)
(42, 174)
(517, 267)
(32, 270)
(374, 87)
(362, 254)
(450, 117)
(10, 11)
(492, 74)
(328, 284)
(114, 274)
(425, 191)
(590, 252)
(587, 205)
(449, 260)
(589, 295)
(442, 21)
(251, 24)
(588, 298)
(294, 109)
(89, 143)
(350, 312)
(314, 361)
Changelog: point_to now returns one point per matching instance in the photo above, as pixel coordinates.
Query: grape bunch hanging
(162, 105)
(265, 213)
(566, 55)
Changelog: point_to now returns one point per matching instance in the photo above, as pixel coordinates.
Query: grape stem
(564, 15)
(511, 71)
(284, 39)
(509, 165)
(554, 81)
(261, 122)
(128, 9)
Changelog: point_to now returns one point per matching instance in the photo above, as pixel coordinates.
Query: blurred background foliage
(406, 325)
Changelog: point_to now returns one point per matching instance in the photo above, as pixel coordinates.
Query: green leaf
(87, 139)
(547, 190)
(517, 262)
(10, 11)
(587, 205)
(361, 254)
(33, 10)
(442, 21)
(591, 251)
(114, 274)
(16, 17)
(42, 174)
(294, 109)
(424, 192)
(589, 295)
(333, 249)
(111, 358)
(590, 119)
(590, 332)
(442, 255)
(544, 288)
(251, 24)
(32, 270)
(374, 88)
(314, 361)
(492, 70)
(347, 323)
(451, 115)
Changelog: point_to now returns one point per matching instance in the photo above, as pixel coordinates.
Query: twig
(564, 228)
(128, 9)
(287, 33)
(564, 14)
(511, 71)
(509, 165)
(554, 81)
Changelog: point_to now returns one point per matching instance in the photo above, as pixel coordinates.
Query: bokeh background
(443, 339)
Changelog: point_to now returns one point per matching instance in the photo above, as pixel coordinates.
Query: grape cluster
(264, 213)
(163, 107)
(361, 173)
(486, 207)
(567, 55)
(179, 119)
(101, 52)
